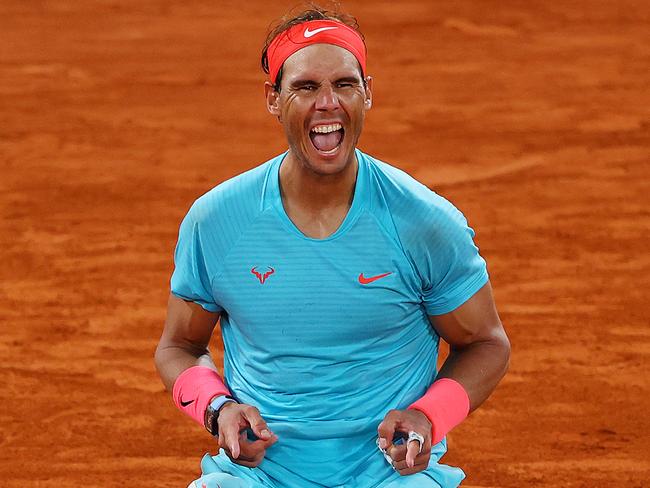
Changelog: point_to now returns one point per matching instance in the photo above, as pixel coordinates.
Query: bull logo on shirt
(260, 276)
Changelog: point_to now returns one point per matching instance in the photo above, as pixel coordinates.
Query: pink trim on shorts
(195, 388)
(446, 404)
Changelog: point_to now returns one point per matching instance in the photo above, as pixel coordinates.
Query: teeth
(324, 129)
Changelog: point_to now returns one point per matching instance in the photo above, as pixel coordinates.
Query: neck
(314, 192)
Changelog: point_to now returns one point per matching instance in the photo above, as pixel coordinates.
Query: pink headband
(314, 32)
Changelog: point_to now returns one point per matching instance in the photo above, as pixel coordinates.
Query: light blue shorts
(219, 472)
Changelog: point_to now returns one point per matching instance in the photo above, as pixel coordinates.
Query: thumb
(257, 424)
(412, 450)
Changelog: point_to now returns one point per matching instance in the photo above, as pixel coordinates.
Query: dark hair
(315, 12)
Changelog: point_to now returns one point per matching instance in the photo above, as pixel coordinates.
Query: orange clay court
(532, 117)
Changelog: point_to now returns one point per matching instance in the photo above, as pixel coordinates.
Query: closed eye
(304, 86)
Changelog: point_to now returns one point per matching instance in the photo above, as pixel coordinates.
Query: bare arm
(184, 341)
(479, 347)
(478, 359)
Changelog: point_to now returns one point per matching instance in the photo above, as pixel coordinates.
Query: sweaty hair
(315, 12)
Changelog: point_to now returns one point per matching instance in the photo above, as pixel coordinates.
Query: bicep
(188, 324)
(474, 321)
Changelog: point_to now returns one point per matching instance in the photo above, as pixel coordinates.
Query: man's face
(321, 104)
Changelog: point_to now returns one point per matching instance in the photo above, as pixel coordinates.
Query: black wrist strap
(212, 413)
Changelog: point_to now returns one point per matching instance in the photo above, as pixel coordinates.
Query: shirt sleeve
(452, 270)
(191, 280)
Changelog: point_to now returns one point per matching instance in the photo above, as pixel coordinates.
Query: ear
(367, 103)
(272, 99)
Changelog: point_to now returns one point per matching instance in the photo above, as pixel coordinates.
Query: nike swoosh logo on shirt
(185, 404)
(309, 33)
(364, 281)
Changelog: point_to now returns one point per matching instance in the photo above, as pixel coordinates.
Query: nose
(326, 98)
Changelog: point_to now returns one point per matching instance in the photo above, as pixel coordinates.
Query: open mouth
(327, 138)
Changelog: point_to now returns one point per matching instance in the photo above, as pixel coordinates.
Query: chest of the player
(298, 286)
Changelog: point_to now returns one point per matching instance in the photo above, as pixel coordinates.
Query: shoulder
(413, 207)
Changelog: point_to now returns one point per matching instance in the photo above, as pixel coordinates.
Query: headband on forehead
(314, 32)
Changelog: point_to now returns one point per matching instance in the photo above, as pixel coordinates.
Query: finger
(249, 463)
(250, 450)
(268, 442)
(257, 423)
(420, 460)
(243, 456)
(230, 433)
(412, 450)
(250, 455)
(407, 471)
(386, 429)
(397, 452)
(244, 461)
(248, 438)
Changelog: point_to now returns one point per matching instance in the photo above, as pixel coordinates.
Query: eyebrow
(306, 81)
(349, 79)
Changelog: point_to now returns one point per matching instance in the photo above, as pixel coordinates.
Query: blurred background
(532, 117)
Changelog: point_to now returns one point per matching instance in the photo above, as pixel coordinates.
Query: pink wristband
(445, 404)
(194, 388)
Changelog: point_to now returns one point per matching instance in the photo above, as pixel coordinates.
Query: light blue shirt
(325, 336)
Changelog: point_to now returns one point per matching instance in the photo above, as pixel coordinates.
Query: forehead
(320, 61)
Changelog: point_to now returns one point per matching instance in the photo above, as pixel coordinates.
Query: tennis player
(334, 276)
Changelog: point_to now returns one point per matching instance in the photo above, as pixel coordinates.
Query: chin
(330, 164)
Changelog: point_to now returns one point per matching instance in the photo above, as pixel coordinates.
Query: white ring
(414, 436)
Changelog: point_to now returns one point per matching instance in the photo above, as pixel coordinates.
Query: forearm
(172, 359)
(478, 366)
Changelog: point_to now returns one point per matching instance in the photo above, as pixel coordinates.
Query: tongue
(326, 142)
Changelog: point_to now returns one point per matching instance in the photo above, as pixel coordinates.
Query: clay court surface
(533, 117)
